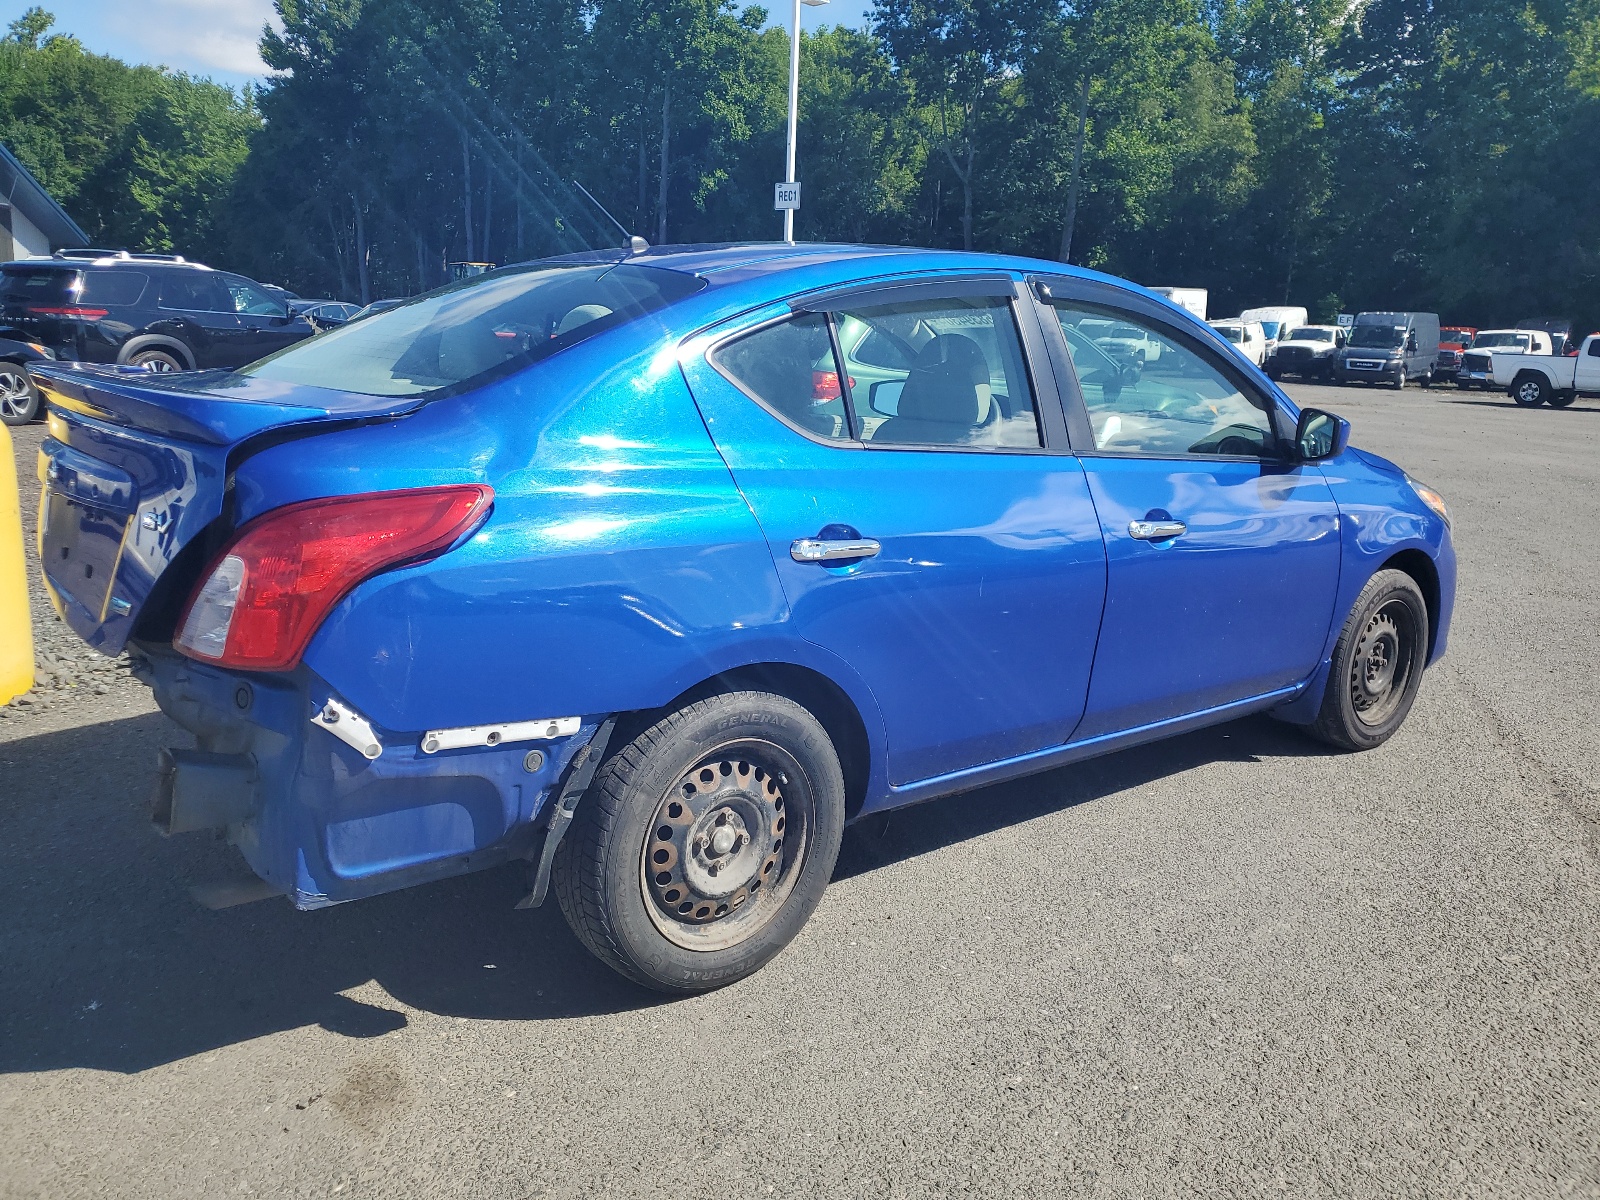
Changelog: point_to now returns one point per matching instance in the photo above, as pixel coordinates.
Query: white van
(1248, 338)
(1275, 322)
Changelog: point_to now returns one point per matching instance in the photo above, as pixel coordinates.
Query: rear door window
(114, 288)
(195, 291)
(939, 372)
(790, 369)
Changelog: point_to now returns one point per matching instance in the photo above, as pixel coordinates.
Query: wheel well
(1530, 373)
(156, 342)
(1420, 567)
(813, 691)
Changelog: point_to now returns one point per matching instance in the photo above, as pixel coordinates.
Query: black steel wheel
(19, 399)
(1377, 664)
(704, 845)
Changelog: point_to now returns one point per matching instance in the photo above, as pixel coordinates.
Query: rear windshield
(38, 285)
(114, 287)
(476, 330)
(1308, 334)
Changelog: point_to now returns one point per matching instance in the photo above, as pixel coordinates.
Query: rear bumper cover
(317, 819)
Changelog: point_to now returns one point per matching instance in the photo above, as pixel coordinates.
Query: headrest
(949, 382)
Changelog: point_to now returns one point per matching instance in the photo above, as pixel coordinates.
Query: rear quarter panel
(618, 567)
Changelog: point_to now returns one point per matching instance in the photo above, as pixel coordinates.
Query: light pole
(794, 109)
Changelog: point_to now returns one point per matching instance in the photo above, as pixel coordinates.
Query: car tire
(1562, 399)
(1531, 390)
(704, 845)
(1400, 381)
(158, 360)
(1377, 664)
(19, 399)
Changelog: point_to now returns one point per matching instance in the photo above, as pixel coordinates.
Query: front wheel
(705, 844)
(1531, 391)
(19, 399)
(1562, 399)
(1400, 380)
(1377, 664)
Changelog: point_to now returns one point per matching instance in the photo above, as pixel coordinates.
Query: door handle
(1156, 531)
(810, 550)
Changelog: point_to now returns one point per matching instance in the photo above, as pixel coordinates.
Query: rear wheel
(1561, 399)
(705, 844)
(1377, 664)
(157, 360)
(19, 399)
(1530, 391)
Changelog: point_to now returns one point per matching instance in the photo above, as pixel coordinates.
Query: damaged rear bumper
(325, 806)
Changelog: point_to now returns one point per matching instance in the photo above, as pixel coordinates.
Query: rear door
(927, 521)
(1223, 553)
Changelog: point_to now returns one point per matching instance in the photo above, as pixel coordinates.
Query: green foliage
(1386, 153)
(140, 157)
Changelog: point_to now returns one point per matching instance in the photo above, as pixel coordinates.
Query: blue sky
(218, 37)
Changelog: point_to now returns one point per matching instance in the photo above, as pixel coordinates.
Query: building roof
(23, 192)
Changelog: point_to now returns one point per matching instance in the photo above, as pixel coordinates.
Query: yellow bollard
(16, 627)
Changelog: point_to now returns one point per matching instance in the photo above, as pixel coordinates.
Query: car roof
(725, 263)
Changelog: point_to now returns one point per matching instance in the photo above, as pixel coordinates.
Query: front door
(1223, 551)
(926, 520)
(198, 309)
(264, 320)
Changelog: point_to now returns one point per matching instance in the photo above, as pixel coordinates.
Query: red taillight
(272, 585)
(88, 314)
(825, 385)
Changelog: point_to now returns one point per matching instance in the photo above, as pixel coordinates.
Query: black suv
(153, 310)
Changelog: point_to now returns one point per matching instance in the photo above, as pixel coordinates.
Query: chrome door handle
(810, 550)
(1156, 531)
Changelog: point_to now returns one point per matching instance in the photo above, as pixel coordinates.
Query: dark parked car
(151, 310)
(324, 314)
(19, 399)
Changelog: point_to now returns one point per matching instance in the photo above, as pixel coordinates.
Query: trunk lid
(137, 466)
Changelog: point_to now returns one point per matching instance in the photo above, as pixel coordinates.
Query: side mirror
(1320, 435)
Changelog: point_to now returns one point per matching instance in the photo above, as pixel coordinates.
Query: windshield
(1378, 337)
(484, 327)
(1270, 328)
(1234, 333)
(1506, 341)
(1310, 335)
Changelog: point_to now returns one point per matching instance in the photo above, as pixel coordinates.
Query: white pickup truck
(1477, 367)
(1553, 379)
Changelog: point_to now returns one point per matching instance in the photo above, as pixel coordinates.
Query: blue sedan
(655, 570)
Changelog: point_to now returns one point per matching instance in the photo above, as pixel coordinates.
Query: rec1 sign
(785, 195)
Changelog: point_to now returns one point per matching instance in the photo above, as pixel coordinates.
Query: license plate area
(88, 506)
(81, 548)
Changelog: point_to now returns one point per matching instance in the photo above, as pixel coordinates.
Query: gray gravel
(1233, 964)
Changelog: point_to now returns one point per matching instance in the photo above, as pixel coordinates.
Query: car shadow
(112, 965)
(877, 842)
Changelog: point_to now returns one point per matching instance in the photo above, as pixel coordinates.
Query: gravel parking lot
(1232, 964)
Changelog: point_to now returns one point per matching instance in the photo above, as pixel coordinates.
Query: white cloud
(203, 37)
